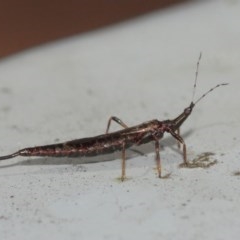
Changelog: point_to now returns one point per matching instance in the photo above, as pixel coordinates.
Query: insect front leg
(180, 140)
(178, 133)
(117, 120)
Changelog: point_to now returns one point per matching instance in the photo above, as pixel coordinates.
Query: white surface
(138, 71)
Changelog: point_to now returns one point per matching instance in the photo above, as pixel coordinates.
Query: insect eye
(187, 110)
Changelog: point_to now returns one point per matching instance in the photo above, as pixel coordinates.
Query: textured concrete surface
(138, 71)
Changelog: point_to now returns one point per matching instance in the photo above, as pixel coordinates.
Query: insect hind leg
(158, 159)
(117, 120)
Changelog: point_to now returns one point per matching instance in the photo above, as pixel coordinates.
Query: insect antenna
(210, 90)
(196, 76)
(195, 84)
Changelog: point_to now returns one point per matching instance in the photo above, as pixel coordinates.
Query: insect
(120, 140)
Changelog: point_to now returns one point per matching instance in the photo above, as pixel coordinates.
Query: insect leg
(123, 161)
(180, 140)
(178, 133)
(117, 120)
(158, 160)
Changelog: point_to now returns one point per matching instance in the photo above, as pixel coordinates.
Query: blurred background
(29, 23)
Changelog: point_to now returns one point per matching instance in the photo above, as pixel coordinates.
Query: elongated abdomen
(102, 144)
(76, 148)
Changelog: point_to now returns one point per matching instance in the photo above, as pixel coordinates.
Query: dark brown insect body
(102, 144)
(119, 140)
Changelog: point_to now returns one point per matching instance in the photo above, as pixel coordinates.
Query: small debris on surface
(202, 160)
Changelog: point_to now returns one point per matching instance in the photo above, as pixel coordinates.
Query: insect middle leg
(123, 162)
(158, 160)
(117, 120)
